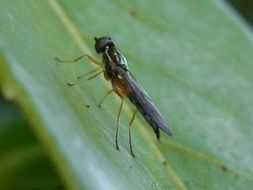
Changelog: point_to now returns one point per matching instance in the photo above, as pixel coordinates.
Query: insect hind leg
(129, 132)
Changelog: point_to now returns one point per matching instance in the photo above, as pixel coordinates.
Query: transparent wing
(140, 98)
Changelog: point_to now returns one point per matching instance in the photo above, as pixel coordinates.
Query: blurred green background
(244, 8)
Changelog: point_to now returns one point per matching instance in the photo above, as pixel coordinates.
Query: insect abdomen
(150, 114)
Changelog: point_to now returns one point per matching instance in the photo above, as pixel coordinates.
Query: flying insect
(115, 68)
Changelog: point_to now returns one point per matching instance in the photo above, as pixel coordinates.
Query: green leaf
(193, 57)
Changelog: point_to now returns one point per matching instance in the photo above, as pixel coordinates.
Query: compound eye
(103, 42)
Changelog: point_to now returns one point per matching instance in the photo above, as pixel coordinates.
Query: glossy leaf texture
(194, 58)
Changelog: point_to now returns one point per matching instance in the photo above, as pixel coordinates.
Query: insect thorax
(114, 59)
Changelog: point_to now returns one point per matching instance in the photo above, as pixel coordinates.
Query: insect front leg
(94, 61)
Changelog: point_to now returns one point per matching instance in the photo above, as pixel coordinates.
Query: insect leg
(78, 58)
(82, 76)
(69, 61)
(93, 60)
(100, 102)
(95, 75)
(117, 129)
(129, 134)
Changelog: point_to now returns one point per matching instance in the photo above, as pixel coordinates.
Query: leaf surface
(193, 57)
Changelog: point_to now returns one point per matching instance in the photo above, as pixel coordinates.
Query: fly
(115, 68)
